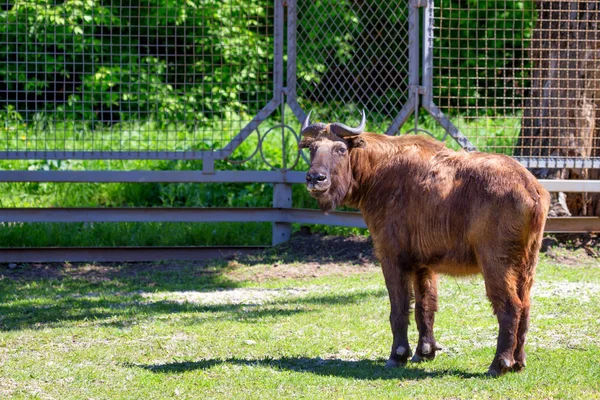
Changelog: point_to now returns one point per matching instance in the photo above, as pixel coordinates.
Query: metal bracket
(208, 166)
(418, 89)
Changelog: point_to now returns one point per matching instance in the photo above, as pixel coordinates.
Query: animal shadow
(363, 369)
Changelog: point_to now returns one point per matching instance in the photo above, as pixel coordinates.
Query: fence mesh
(166, 75)
(520, 77)
(516, 77)
(352, 56)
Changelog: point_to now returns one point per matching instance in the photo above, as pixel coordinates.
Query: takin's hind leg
(523, 291)
(501, 290)
(508, 314)
(425, 288)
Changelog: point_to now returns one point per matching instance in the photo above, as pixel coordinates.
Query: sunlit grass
(189, 331)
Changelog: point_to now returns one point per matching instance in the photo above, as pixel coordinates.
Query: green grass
(190, 331)
(134, 234)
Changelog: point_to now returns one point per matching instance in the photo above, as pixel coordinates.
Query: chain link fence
(194, 79)
(86, 76)
(231, 80)
(353, 56)
(521, 77)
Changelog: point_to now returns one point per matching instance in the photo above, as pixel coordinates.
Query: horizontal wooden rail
(113, 254)
(154, 176)
(302, 216)
(552, 185)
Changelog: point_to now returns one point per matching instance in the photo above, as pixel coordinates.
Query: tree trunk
(561, 116)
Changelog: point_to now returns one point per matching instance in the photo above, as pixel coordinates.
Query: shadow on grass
(48, 303)
(319, 248)
(40, 295)
(363, 370)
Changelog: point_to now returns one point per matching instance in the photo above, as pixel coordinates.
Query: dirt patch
(36, 271)
(308, 256)
(572, 249)
(579, 245)
(318, 248)
(305, 256)
(264, 272)
(567, 257)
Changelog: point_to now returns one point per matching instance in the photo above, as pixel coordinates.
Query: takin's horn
(342, 130)
(306, 121)
(311, 130)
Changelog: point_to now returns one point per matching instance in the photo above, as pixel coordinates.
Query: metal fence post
(428, 103)
(282, 192)
(282, 198)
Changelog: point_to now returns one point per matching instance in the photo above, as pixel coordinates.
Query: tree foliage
(95, 60)
(481, 54)
(194, 61)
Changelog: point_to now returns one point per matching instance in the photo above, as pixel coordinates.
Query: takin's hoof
(500, 367)
(426, 352)
(518, 366)
(399, 357)
(417, 359)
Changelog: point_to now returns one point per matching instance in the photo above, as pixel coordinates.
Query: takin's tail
(537, 222)
(540, 214)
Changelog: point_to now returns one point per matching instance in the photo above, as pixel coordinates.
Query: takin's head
(330, 176)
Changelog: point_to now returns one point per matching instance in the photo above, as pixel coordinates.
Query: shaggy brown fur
(432, 210)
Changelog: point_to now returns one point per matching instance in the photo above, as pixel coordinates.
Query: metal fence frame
(421, 72)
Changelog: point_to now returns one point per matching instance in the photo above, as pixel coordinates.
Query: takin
(432, 210)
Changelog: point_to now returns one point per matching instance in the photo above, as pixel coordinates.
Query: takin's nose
(314, 178)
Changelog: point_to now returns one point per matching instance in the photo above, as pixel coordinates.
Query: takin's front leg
(425, 285)
(398, 282)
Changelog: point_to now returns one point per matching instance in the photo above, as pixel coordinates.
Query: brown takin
(432, 210)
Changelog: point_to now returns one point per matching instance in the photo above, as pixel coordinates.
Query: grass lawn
(305, 320)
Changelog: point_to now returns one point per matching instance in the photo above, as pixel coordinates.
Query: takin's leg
(425, 285)
(500, 285)
(398, 282)
(523, 291)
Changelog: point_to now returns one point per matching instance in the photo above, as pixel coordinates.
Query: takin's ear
(305, 142)
(356, 142)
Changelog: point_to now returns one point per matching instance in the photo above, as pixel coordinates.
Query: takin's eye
(340, 150)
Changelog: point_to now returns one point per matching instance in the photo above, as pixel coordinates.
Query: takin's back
(440, 203)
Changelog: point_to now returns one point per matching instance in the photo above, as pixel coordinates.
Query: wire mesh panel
(521, 78)
(83, 77)
(351, 56)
